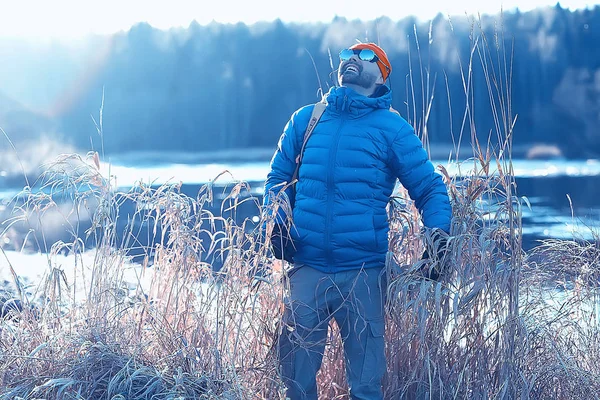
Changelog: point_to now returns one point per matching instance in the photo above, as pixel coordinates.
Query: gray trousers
(355, 299)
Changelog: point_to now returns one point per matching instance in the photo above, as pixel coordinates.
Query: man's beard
(361, 79)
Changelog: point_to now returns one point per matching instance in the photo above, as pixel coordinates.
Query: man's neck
(361, 90)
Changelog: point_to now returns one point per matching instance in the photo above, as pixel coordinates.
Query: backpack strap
(314, 118)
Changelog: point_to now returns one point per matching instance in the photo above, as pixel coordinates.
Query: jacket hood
(342, 99)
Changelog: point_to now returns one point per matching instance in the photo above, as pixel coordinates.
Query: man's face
(364, 74)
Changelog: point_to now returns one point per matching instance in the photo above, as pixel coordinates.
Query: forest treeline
(232, 86)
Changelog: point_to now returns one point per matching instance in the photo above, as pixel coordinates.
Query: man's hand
(434, 257)
(281, 243)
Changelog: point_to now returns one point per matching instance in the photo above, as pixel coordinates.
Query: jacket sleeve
(411, 164)
(283, 164)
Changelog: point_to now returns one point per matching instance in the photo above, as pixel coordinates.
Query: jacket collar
(341, 99)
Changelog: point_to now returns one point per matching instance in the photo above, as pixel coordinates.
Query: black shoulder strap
(314, 118)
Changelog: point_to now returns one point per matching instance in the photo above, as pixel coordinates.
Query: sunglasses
(363, 54)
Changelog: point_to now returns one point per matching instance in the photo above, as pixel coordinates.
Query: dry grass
(191, 332)
(501, 324)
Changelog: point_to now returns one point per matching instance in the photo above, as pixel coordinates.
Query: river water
(563, 194)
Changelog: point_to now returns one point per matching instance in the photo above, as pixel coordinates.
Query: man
(340, 229)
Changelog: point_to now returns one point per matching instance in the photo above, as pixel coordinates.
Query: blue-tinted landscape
(136, 255)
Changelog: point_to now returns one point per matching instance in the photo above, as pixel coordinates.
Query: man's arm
(283, 165)
(416, 173)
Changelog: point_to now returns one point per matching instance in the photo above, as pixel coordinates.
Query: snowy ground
(34, 270)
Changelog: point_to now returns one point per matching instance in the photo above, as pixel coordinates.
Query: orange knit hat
(384, 63)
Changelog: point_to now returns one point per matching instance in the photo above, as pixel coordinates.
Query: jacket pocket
(375, 239)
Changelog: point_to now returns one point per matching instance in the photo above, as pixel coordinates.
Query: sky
(77, 18)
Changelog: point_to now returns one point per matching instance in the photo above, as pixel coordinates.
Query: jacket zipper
(330, 189)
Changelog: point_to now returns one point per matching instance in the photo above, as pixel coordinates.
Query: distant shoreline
(264, 154)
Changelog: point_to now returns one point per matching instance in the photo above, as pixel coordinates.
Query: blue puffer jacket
(349, 169)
